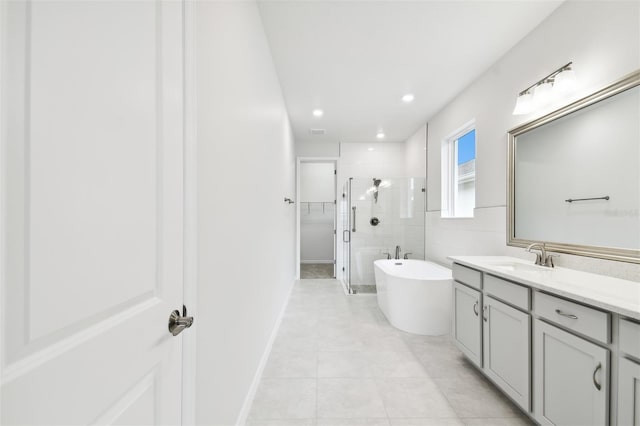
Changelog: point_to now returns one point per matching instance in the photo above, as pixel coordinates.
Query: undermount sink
(519, 267)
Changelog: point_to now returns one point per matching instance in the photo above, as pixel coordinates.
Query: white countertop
(612, 294)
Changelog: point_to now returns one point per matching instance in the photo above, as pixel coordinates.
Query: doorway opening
(317, 218)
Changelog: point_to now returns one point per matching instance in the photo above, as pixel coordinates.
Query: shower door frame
(299, 161)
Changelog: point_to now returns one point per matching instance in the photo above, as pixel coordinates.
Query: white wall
(317, 182)
(416, 153)
(246, 246)
(603, 41)
(317, 149)
(316, 232)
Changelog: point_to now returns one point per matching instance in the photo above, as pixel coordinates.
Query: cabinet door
(507, 350)
(467, 322)
(629, 393)
(571, 378)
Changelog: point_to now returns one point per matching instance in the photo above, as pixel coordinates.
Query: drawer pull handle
(596, 384)
(559, 312)
(475, 308)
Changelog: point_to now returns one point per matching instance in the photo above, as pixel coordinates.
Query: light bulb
(542, 95)
(523, 104)
(565, 81)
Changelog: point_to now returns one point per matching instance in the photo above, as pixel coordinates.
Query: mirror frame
(601, 252)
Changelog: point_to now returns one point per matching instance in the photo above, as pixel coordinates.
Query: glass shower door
(345, 220)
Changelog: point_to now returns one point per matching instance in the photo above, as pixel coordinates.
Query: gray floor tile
(427, 422)
(281, 422)
(414, 397)
(343, 365)
(337, 361)
(291, 365)
(285, 399)
(349, 398)
(476, 397)
(394, 364)
(353, 422)
(518, 421)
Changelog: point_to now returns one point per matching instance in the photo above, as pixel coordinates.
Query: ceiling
(356, 59)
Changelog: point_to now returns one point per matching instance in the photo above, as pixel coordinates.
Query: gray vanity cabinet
(571, 379)
(467, 321)
(629, 393)
(507, 349)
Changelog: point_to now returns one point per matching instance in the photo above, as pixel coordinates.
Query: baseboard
(248, 401)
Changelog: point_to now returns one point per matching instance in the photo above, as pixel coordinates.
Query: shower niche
(377, 215)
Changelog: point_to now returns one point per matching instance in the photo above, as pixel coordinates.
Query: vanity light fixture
(408, 98)
(546, 90)
(380, 135)
(318, 113)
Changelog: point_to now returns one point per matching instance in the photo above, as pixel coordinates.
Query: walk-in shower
(379, 218)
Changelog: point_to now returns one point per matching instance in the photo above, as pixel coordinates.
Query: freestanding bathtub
(415, 295)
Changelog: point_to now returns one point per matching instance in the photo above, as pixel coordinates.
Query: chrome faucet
(388, 255)
(542, 258)
(397, 252)
(406, 255)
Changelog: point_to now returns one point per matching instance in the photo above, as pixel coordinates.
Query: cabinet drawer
(467, 276)
(582, 319)
(509, 292)
(630, 338)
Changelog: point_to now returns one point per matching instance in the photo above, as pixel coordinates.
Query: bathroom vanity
(564, 345)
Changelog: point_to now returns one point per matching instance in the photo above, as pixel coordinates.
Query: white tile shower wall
(246, 166)
(602, 51)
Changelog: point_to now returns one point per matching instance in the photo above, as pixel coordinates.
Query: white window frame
(449, 171)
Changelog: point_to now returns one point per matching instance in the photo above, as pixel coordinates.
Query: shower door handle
(353, 225)
(343, 239)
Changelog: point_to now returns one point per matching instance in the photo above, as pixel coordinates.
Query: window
(459, 173)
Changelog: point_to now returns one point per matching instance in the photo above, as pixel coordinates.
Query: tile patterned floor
(316, 270)
(338, 362)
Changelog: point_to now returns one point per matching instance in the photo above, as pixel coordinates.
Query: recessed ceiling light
(408, 97)
(371, 148)
(318, 112)
(380, 135)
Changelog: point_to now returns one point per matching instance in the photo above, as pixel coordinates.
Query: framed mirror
(574, 176)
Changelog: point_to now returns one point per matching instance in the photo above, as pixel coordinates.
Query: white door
(629, 393)
(507, 350)
(91, 138)
(467, 322)
(571, 378)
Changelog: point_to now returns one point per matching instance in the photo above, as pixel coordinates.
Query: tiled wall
(402, 221)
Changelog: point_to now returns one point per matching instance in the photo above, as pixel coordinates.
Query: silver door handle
(346, 231)
(596, 384)
(559, 312)
(353, 227)
(484, 313)
(475, 308)
(177, 322)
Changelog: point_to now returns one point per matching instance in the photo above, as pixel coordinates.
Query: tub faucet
(406, 255)
(397, 252)
(388, 255)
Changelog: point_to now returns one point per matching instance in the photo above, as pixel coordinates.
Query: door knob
(178, 322)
